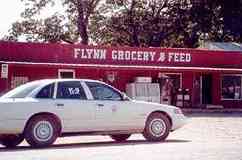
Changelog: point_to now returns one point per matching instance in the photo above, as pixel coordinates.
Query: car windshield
(22, 91)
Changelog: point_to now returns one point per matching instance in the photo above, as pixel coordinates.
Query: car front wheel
(11, 141)
(120, 137)
(157, 127)
(42, 131)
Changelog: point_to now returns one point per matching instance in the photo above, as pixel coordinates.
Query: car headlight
(177, 111)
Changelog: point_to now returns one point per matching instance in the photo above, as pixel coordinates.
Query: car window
(22, 91)
(70, 90)
(46, 92)
(103, 92)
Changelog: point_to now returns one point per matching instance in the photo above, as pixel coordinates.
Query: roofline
(128, 66)
(106, 46)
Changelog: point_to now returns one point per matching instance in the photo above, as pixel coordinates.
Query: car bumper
(178, 121)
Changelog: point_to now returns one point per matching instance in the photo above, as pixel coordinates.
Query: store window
(66, 73)
(231, 87)
(18, 80)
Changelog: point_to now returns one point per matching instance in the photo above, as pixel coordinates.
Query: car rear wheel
(42, 131)
(120, 137)
(157, 127)
(11, 141)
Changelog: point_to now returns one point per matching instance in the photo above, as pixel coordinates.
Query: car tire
(42, 131)
(11, 141)
(157, 127)
(120, 137)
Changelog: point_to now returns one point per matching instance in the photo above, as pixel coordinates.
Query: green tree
(133, 22)
(218, 20)
(149, 23)
(69, 27)
(145, 23)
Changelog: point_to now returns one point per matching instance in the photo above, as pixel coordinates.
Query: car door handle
(59, 104)
(100, 105)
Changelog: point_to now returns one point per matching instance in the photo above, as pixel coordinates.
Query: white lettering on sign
(4, 71)
(146, 56)
(74, 91)
(133, 55)
(162, 57)
(152, 54)
(179, 57)
(90, 53)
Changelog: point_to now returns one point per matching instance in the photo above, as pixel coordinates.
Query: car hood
(154, 105)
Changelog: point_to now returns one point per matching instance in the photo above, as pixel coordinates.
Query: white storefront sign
(4, 71)
(132, 55)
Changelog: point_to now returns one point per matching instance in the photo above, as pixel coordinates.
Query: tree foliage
(166, 23)
(70, 26)
(171, 23)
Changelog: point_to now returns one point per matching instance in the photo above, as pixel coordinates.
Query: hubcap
(157, 127)
(43, 131)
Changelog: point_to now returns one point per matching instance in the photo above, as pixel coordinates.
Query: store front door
(197, 91)
(169, 85)
(206, 89)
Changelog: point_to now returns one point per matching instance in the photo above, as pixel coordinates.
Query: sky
(10, 12)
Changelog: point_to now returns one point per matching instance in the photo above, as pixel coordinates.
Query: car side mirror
(125, 97)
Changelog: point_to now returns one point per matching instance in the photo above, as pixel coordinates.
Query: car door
(73, 106)
(112, 112)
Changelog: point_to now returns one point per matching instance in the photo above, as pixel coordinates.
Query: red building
(210, 78)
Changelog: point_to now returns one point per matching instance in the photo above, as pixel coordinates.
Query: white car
(43, 110)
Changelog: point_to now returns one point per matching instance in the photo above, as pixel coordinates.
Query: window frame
(66, 70)
(221, 87)
(160, 74)
(56, 91)
(52, 97)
